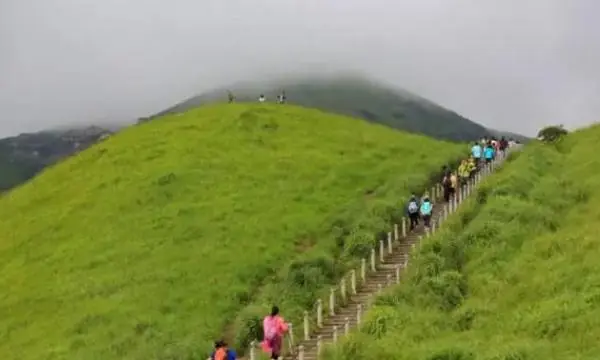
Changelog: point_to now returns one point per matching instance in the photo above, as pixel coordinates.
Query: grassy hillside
(155, 241)
(357, 97)
(515, 275)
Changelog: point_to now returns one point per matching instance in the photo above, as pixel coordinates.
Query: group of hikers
(274, 329)
(483, 152)
(281, 98)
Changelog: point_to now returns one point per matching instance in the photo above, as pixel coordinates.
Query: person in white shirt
(281, 97)
(262, 98)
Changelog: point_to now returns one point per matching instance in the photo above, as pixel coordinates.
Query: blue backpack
(426, 208)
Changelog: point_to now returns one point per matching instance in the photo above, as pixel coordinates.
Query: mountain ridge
(356, 96)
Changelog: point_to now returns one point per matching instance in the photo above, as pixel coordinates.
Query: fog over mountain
(511, 65)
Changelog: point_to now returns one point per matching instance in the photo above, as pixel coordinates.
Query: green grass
(154, 242)
(513, 276)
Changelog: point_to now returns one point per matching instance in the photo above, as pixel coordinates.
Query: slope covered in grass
(358, 97)
(514, 275)
(153, 242)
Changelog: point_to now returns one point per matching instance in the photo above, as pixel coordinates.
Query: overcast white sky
(510, 64)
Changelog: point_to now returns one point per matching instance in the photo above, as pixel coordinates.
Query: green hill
(514, 276)
(166, 235)
(357, 97)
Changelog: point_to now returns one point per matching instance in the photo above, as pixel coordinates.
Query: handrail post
(332, 301)
(404, 226)
(381, 251)
(335, 334)
(373, 259)
(389, 242)
(319, 344)
(320, 313)
(363, 270)
(306, 326)
(396, 234)
(397, 274)
(358, 314)
(353, 281)
(253, 350)
(291, 334)
(343, 290)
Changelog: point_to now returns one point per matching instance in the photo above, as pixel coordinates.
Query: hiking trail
(357, 290)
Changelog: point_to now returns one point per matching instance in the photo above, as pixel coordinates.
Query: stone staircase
(375, 274)
(387, 273)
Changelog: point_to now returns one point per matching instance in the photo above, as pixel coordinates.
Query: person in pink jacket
(274, 327)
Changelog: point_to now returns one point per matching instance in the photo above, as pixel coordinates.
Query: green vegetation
(552, 134)
(357, 97)
(513, 275)
(155, 241)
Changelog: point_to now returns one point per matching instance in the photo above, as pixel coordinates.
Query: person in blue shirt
(221, 350)
(488, 153)
(477, 152)
(426, 210)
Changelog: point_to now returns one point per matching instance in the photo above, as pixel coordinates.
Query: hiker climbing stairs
(348, 301)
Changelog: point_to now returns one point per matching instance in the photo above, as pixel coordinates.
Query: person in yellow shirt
(472, 165)
(463, 172)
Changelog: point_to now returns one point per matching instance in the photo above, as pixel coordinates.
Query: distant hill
(509, 135)
(149, 244)
(358, 97)
(23, 156)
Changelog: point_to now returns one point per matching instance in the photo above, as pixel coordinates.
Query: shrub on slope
(154, 242)
(513, 276)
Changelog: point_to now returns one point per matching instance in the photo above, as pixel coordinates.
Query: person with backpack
(222, 352)
(453, 183)
(489, 153)
(274, 328)
(426, 210)
(463, 172)
(446, 186)
(503, 145)
(413, 212)
(472, 166)
(477, 152)
(496, 146)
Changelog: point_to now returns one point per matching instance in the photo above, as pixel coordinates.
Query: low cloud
(512, 65)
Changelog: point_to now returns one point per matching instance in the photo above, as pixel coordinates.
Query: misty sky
(513, 65)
